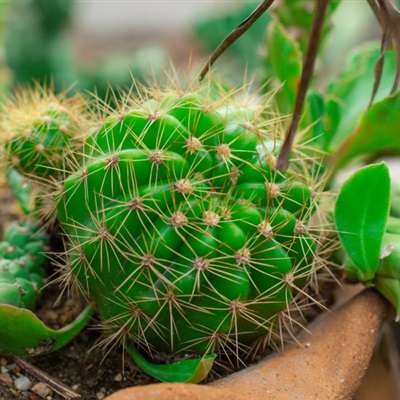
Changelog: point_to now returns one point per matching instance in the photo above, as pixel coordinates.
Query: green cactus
(181, 229)
(22, 264)
(39, 127)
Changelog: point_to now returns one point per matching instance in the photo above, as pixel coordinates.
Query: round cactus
(22, 264)
(38, 127)
(180, 227)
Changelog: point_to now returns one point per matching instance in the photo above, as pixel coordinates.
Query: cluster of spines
(22, 264)
(180, 227)
(39, 129)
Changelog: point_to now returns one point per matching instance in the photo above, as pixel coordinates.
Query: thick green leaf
(313, 121)
(390, 289)
(23, 334)
(187, 371)
(285, 58)
(349, 93)
(378, 130)
(361, 212)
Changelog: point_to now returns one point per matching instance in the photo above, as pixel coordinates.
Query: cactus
(180, 227)
(22, 264)
(39, 130)
(39, 127)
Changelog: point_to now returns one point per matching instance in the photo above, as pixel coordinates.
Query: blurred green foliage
(38, 48)
(33, 26)
(271, 53)
(246, 53)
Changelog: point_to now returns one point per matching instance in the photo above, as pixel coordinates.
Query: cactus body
(180, 227)
(38, 128)
(22, 264)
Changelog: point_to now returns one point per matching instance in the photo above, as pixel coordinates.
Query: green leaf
(390, 289)
(187, 371)
(361, 212)
(378, 130)
(285, 58)
(313, 120)
(23, 334)
(285, 61)
(349, 93)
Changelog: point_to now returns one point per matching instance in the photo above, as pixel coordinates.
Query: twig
(389, 18)
(385, 45)
(306, 73)
(393, 26)
(235, 35)
(375, 9)
(59, 387)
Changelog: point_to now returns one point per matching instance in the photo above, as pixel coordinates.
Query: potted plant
(193, 224)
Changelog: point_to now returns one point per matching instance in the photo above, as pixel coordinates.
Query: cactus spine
(181, 229)
(38, 127)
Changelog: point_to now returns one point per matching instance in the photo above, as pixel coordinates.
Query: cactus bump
(177, 224)
(38, 127)
(22, 264)
(181, 228)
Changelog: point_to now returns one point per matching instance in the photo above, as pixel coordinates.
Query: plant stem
(235, 35)
(306, 73)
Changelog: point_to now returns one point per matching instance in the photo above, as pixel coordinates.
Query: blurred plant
(246, 54)
(39, 48)
(33, 26)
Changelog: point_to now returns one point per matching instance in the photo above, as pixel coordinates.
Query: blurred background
(93, 44)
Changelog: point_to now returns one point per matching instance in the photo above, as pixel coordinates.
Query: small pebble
(118, 377)
(3, 370)
(42, 390)
(22, 383)
(6, 380)
(11, 367)
(100, 395)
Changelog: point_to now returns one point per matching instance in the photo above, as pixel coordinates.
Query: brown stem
(235, 35)
(375, 9)
(306, 74)
(393, 27)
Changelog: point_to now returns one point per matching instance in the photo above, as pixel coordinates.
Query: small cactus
(180, 227)
(38, 127)
(22, 264)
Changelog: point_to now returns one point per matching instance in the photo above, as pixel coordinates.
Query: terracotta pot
(329, 364)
